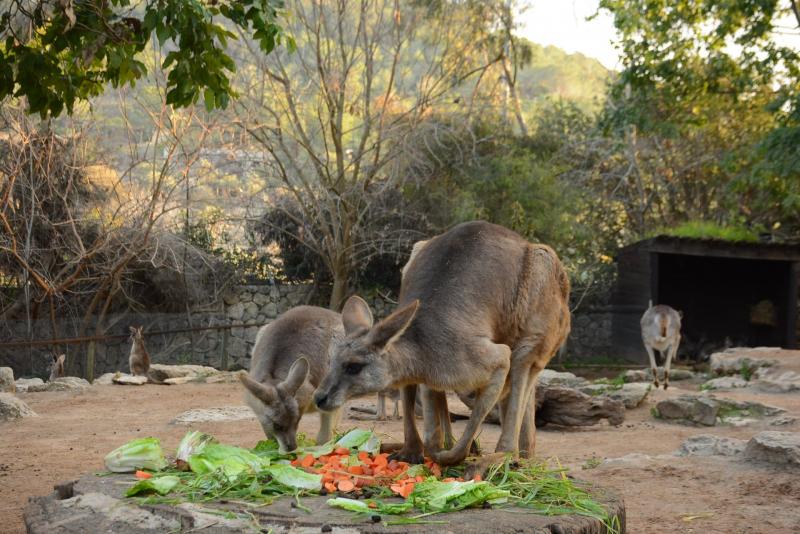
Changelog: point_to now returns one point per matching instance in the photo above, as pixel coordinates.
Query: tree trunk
(339, 291)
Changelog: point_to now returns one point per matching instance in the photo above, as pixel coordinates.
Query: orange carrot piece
(143, 475)
(307, 461)
(363, 456)
(330, 486)
(381, 459)
(341, 451)
(346, 486)
(355, 470)
(477, 478)
(372, 504)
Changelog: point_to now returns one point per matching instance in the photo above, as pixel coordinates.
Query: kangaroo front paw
(666, 385)
(410, 456)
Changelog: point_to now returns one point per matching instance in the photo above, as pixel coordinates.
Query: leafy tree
(719, 74)
(56, 52)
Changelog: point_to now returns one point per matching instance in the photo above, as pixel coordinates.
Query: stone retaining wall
(221, 348)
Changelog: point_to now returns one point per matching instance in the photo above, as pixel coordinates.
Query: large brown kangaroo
(480, 309)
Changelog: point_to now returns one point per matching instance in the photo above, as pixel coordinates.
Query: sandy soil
(662, 494)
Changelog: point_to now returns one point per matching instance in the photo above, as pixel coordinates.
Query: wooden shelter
(729, 292)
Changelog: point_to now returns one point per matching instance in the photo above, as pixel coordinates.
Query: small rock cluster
(708, 410)
(769, 447)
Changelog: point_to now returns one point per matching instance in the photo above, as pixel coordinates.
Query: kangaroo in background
(289, 359)
(57, 367)
(139, 359)
(661, 331)
(480, 309)
(392, 394)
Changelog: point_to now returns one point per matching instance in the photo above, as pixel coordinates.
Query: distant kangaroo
(289, 359)
(480, 309)
(661, 331)
(139, 360)
(57, 367)
(394, 396)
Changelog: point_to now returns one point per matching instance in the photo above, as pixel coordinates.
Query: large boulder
(13, 408)
(570, 407)
(24, 383)
(631, 395)
(776, 380)
(710, 445)
(774, 447)
(7, 384)
(734, 361)
(105, 379)
(64, 383)
(548, 377)
(129, 380)
(688, 408)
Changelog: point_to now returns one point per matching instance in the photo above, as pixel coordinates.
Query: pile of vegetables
(350, 469)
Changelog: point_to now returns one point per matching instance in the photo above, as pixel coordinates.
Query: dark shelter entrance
(730, 294)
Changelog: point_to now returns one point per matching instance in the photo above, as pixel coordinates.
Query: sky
(563, 23)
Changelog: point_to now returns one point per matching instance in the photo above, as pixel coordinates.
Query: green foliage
(72, 50)
(711, 230)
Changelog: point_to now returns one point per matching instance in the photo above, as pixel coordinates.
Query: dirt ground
(663, 494)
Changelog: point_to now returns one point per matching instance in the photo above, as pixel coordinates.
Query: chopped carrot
(330, 486)
(364, 457)
(372, 504)
(346, 486)
(381, 460)
(143, 474)
(307, 461)
(341, 451)
(355, 470)
(477, 478)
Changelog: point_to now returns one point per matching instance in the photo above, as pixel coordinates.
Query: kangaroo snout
(321, 400)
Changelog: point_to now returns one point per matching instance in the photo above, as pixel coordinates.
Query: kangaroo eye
(278, 428)
(353, 368)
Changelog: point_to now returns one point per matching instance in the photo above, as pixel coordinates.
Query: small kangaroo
(480, 309)
(661, 331)
(289, 359)
(57, 367)
(139, 360)
(392, 394)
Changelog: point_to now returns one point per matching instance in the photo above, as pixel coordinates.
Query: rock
(24, 383)
(631, 395)
(689, 408)
(13, 408)
(235, 312)
(774, 447)
(783, 420)
(548, 377)
(260, 299)
(250, 312)
(129, 380)
(646, 375)
(105, 380)
(64, 383)
(725, 382)
(270, 310)
(222, 378)
(223, 414)
(7, 384)
(160, 372)
(179, 380)
(710, 445)
(634, 459)
(732, 361)
(230, 299)
(708, 410)
(771, 380)
(569, 407)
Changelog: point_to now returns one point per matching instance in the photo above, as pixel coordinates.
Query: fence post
(223, 361)
(89, 373)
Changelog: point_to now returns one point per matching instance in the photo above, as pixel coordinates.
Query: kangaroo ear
(56, 357)
(133, 329)
(680, 314)
(356, 315)
(264, 393)
(297, 375)
(391, 328)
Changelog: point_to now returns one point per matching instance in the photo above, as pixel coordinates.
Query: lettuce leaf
(433, 495)
(230, 460)
(192, 443)
(362, 507)
(142, 453)
(294, 478)
(160, 485)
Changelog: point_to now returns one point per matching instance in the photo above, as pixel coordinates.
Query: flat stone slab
(711, 445)
(708, 410)
(726, 382)
(160, 372)
(731, 361)
(24, 383)
(129, 380)
(214, 415)
(96, 504)
(646, 375)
